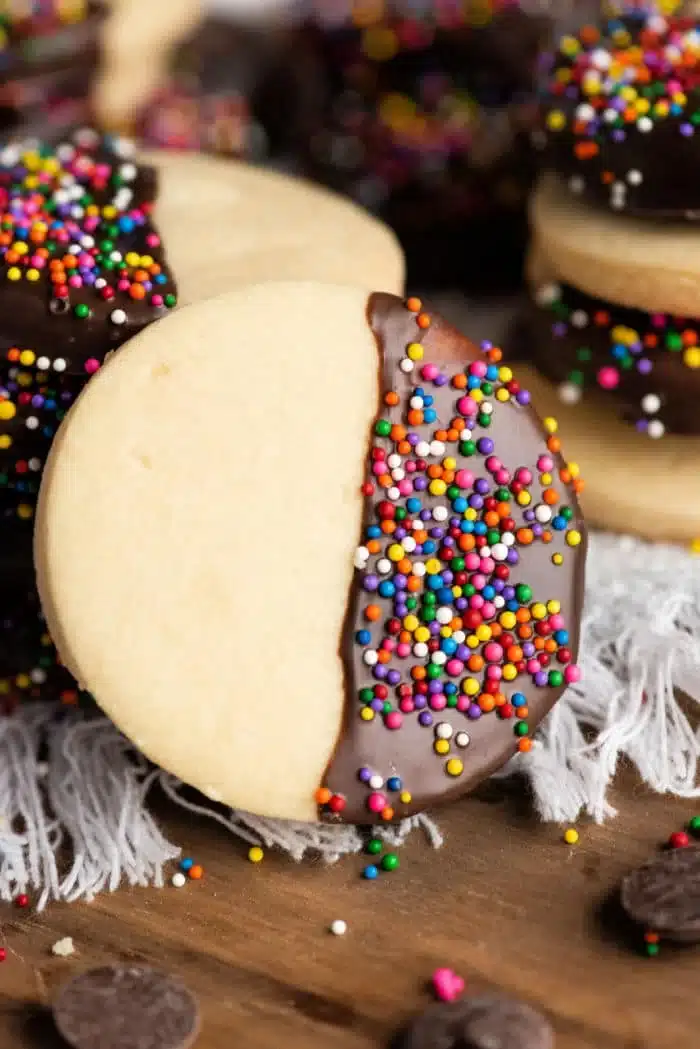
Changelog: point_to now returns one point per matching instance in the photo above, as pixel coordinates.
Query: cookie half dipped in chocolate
(622, 114)
(340, 567)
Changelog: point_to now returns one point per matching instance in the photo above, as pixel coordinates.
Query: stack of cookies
(613, 327)
(49, 56)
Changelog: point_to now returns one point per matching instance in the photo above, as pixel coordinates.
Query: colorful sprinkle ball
(22, 901)
(635, 340)
(178, 880)
(339, 927)
(448, 986)
(623, 81)
(571, 836)
(256, 854)
(3, 954)
(444, 623)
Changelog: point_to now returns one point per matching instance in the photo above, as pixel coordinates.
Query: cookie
(649, 266)
(119, 1007)
(622, 109)
(663, 896)
(481, 1022)
(632, 483)
(226, 223)
(340, 564)
(646, 364)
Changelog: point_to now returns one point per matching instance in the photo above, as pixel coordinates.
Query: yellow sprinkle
(554, 607)
(454, 767)
(110, 212)
(411, 623)
(556, 120)
(5, 441)
(256, 854)
(470, 514)
(20, 247)
(437, 487)
(546, 479)
(507, 620)
(483, 632)
(449, 463)
(33, 275)
(27, 357)
(573, 537)
(691, 357)
(470, 686)
(7, 411)
(14, 273)
(24, 511)
(422, 634)
(432, 566)
(396, 552)
(415, 352)
(550, 424)
(695, 546)
(538, 610)
(571, 836)
(502, 395)
(405, 797)
(441, 746)
(523, 498)
(367, 714)
(23, 681)
(505, 374)
(510, 672)
(574, 469)
(473, 641)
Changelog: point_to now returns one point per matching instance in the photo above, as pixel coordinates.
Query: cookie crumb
(63, 948)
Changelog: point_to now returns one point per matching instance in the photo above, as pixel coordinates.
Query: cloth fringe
(78, 823)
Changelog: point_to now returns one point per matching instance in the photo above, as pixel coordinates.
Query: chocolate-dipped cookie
(350, 589)
(622, 112)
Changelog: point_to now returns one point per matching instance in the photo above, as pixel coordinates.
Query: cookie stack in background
(613, 328)
(421, 111)
(50, 51)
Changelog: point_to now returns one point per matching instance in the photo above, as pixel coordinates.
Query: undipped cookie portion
(313, 552)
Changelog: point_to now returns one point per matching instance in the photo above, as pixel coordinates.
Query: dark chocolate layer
(648, 364)
(463, 620)
(622, 114)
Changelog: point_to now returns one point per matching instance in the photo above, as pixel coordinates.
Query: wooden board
(505, 903)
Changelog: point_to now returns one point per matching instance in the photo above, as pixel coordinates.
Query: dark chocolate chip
(120, 1007)
(484, 1022)
(663, 895)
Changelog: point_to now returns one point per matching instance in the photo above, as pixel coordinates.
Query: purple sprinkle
(476, 502)
(523, 397)
(559, 329)
(537, 529)
(509, 593)
(435, 628)
(441, 380)
(449, 541)
(529, 515)
(448, 577)
(644, 366)
(370, 582)
(482, 486)
(377, 705)
(420, 484)
(400, 582)
(485, 445)
(437, 533)
(541, 678)
(474, 711)
(393, 678)
(512, 557)
(420, 702)
(425, 718)
(413, 439)
(529, 650)
(434, 687)
(364, 775)
(461, 603)
(687, 130)
(380, 672)
(463, 653)
(400, 533)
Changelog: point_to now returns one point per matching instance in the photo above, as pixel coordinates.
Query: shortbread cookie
(650, 266)
(313, 552)
(632, 484)
(622, 107)
(647, 364)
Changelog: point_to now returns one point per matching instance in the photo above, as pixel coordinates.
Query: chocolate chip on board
(481, 1022)
(663, 895)
(126, 1007)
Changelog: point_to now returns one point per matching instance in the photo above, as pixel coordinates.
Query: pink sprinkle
(466, 406)
(464, 478)
(494, 673)
(477, 602)
(403, 650)
(92, 365)
(447, 985)
(502, 477)
(454, 667)
(478, 368)
(533, 666)
(376, 802)
(472, 561)
(437, 702)
(489, 610)
(523, 475)
(479, 581)
(463, 703)
(75, 281)
(407, 706)
(153, 240)
(608, 377)
(493, 652)
(405, 487)
(556, 621)
(572, 674)
(123, 284)
(156, 300)
(393, 720)
(429, 372)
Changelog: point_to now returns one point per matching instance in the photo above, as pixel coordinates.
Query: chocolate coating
(626, 140)
(648, 365)
(479, 1022)
(408, 753)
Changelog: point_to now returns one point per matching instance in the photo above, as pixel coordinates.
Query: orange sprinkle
(322, 796)
(460, 381)
(391, 398)
(403, 448)
(523, 615)
(415, 417)
(423, 321)
(196, 873)
(373, 613)
(524, 745)
(553, 444)
(475, 663)
(550, 496)
(413, 584)
(398, 432)
(414, 304)
(374, 546)
(388, 813)
(525, 536)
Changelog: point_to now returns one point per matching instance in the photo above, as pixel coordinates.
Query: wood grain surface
(505, 903)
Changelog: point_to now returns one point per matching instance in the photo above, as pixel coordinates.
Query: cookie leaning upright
(613, 266)
(348, 587)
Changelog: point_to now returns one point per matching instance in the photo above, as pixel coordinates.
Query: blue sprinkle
(387, 588)
(559, 523)
(460, 505)
(374, 532)
(370, 873)
(394, 783)
(363, 637)
(430, 415)
(413, 505)
(561, 637)
(518, 700)
(186, 864)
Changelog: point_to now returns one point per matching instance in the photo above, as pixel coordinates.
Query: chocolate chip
(119, 1007)
(664, 895)
(484, 1022)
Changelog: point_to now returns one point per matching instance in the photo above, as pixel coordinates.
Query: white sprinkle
(444, 730)
(339, 927)
(63, 948)
(508, 538)
(398, 474)
(406, 365)
(585, 112)
(656, 429)
(361, 557)
(499, 601)
(43, 363)
(635, 177)
(440, 513)
(543, 513)
(384, 566)
(178, 880)
(645, 124)
(59, 365)
(420, 650)
(32, 423)
(437, 448)
(416, 402)
(409, 544)
(499, 551)
(9, 156)
(462, 739)
(128, 172)
(459, 636)
(601, 59)
(576, 183)
(118, 317)
(370, 658)
(393, 461)
(486, 409)
(124, 147)
(569, 393)
(38, 676)
(651, 403)
(579, 318)
(547, 294)
(422, 449)
(444, 615)
(418, 568)
(438, 658)
(376, 782)
(34, 465)
(393, 493)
